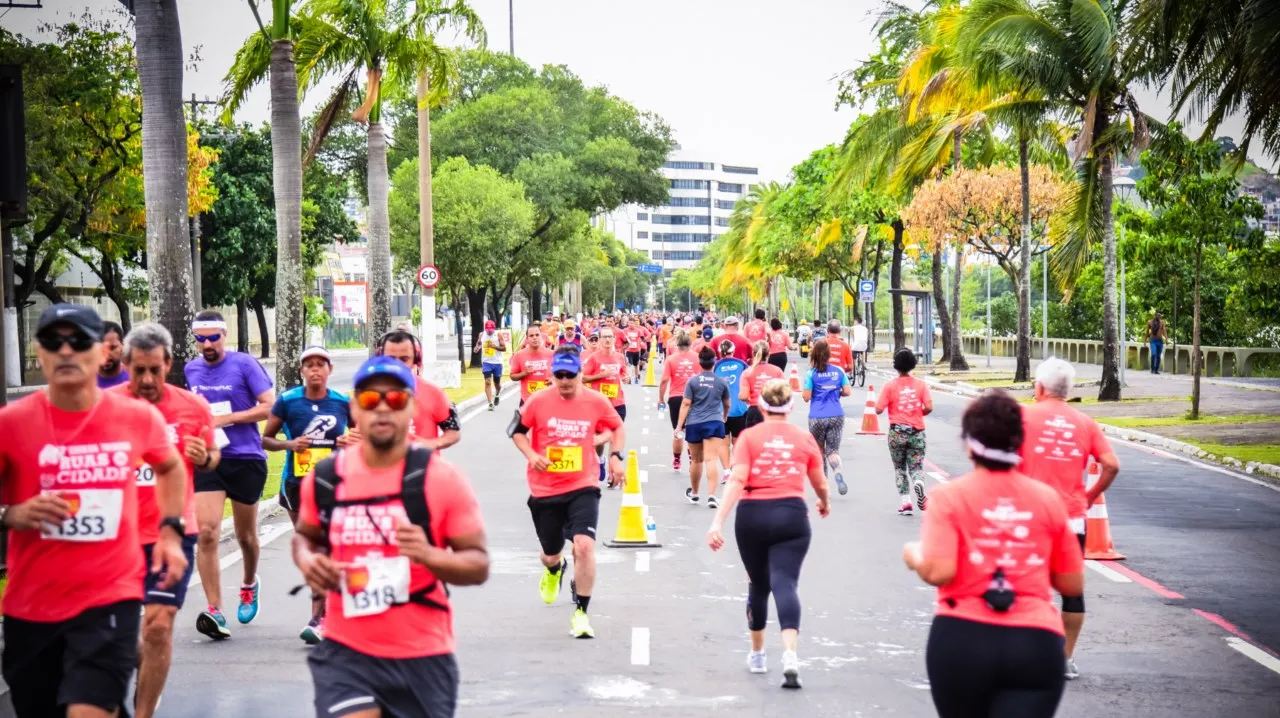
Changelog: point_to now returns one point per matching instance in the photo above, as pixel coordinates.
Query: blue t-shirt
(731, 371)
(233, 384)
(825, 385)
(324, 421)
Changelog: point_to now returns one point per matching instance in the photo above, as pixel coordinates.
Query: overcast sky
(745, 82)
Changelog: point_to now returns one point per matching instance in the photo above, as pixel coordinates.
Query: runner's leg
(209, 506)
(245, 517)
(695, 465)
(712, 448)
(898, 451)
(155, 656)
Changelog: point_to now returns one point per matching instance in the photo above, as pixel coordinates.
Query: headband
(208, 324)
(771, 409)
(1004, 457)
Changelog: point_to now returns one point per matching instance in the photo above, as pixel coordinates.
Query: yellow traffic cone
(632, 531)
(648, 370)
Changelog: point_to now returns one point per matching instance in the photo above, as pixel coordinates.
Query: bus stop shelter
(923, 313)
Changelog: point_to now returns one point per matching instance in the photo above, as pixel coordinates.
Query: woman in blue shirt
(824, 384)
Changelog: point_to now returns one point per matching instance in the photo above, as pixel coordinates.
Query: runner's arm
(171, 485)
(269, 440)
(464, 563)
(450, 431)
(259, 412)
(1110, 464)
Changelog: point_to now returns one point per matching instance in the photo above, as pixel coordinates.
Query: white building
(703, 194)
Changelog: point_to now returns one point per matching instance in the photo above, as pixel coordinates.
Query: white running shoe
(790, 670)
(712, 502)
(921, 500)
(757, 662)
(1073, 671)
(688, 494)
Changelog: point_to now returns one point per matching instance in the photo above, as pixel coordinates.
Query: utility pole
(511, 24)
(197, 285)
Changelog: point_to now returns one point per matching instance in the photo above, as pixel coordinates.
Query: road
(1168, 634)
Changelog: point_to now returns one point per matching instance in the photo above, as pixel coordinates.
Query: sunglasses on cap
(565, 375)
(208, 339)
(369, 399)
(54, 342)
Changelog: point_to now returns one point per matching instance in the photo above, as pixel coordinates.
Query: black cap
(77, 316)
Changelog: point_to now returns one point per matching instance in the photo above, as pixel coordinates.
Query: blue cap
(566, 361)
(385, 366)
(707, 333)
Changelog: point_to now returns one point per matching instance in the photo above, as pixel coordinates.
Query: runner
(112, 372)
(382, 527)
(556, 433)
(730, 368)
(605, 370)
(531, 366)
(757, 330)
(239, 393)
(490, 345)
(770, 465)
(841, 354)
(69, 498)
(741, 345)
(908, 401)
(779, 343)
(753, 380)
(676, 371)
(1063, 440)
(435, 419)
(569, 335)
(148, 354)
(996, 645)
(632, 337)
(702, 423)
(314, 419)
(824, 384)
(664, 336)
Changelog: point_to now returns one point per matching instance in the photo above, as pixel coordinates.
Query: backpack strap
(413, 495)
(327, 482)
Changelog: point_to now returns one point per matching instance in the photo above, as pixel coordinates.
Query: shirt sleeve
(528, 412)
(808, 380)
(1099, 446)
(257, 378)
(886, 395)
(939, 537)
(451, 499)
(278, 409)
(742, 453)
(157, 448)
(688, 390)
(814, 453)
(442, 408)
(844, 378)
(517, 362)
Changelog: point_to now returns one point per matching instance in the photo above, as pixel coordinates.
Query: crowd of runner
(113, 485)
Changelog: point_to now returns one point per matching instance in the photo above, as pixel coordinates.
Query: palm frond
(328, 116)
(251, 66)
(1082, 229)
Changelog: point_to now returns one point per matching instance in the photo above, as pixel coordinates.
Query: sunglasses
(209, 339)
(565, 375)
(54, 342)
(369, 399)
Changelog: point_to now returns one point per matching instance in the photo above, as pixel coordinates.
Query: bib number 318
(95, 516)
(371, 588)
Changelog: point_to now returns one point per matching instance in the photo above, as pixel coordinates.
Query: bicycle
(860, 369)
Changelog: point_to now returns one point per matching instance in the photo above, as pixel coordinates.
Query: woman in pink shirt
(771, 462)
(908, 401)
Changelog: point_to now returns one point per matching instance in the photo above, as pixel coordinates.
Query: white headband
(208, 324)
(771, 409)
(1004, 457)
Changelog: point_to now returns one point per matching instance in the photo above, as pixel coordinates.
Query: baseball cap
(566, 361)
(488, 324)
(81, 318)
(385, 366)
(314, 351)
(731, 320)
(707, 333)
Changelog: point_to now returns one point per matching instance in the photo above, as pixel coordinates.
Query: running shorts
(735, 424)
(291, 495)
(241, 479)
(348, 681)
(753, 416)
(633, 358)
(562, 516)
(176, 594)
(703, 430)
(491, 371)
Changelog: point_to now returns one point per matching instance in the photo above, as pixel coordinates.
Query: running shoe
(841, 486)
(757, 662)
(675, 463)
(905, 509)
(213, 624)
(688, 494)
(921, 499)
(790, 670)
(713, 502)
(724, 477)
(1073, 671)
(249, 601)
(491, 405)
(497, 398)
(602, 472)
(549, 586)
(313, 633)
(580, 625)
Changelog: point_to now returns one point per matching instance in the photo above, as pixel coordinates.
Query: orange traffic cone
(795, 378)
(870, 422)
(1097, 526)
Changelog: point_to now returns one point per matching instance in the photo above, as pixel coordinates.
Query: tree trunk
(957, 145)
(1022, 372)
(1195, 341)
(164, 172)
(260, 310)
(242, 326)
(939, 306)
(535, 303)
(286, 159)
(958, 362)
(1109, 387)
(379, 237)
(475, 298)
(875, 276)
(895, 282)
(426, 227)
(457, 330)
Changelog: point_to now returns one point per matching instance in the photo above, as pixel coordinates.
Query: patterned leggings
(827, 432)
(906, 448)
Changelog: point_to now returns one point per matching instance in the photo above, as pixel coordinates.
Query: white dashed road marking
(1257, 654)
(642, 561)
(640, 646)
(1107, 572)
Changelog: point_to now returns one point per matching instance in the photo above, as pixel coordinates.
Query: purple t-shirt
(106, 382)
(232, 385)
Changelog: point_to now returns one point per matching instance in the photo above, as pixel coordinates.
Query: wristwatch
(618, 455)
(176, 523)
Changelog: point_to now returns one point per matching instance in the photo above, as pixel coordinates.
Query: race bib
(369, 589)
(564, 459)
(1076, 525)
(220, 408)
(535, 385)
(304, 461)
(146, 475)
(490, 351)
(95, 516)
(609, 390)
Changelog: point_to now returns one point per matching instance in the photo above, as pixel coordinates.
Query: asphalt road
(1203, 547)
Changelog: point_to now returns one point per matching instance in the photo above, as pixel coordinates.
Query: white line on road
(642, 561)
(639, 646)
(644, 449)
(1265, 659)
(644, 430)
(644, 476)
(1108, 572)
(938, 477)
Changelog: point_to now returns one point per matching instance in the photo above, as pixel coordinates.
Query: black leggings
(981, 669)
(773, 537)
(779, 360)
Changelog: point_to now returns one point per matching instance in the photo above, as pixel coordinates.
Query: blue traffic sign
(866, 291)
(649, 268)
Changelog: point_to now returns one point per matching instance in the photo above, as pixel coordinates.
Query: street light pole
(511, 24)
(988, 315)
(1044, 312)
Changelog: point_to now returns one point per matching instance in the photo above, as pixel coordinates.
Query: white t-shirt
(859, 343)
(489, 353)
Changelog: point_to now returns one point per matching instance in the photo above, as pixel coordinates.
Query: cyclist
(824, 384)
(858, 344)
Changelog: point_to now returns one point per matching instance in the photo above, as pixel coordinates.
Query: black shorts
(752, 417)
(779, 360)
(673, 408)
(87, 659)
(348, 681)
(290, 495)
(177, 594)
(633, 358)
(241, 479)
(735, 424)
(622, 411)
(565, 515)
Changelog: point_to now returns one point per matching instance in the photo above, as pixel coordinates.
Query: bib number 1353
(95, 516)
(369, 589)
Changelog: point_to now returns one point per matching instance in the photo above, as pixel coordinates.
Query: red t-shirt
(741, 345)
(185, 414)
(634, 337)
(538, 364)
(678, 368)
(756, 331)
(92, 458)
(430, 408)
(355, 537)
(987, 520)
(756, 377)
(780, 456)
(1059, 440)
(905, 397)
(841, 354)
(779, 341)
(614, 366)
(564, 431)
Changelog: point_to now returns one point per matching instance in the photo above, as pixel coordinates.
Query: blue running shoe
(249, 601)
(213, 624)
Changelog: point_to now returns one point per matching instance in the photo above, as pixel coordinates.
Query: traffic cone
(870, 422)
(632, 529)
(1097, 525)
(795, 378)
(648, 367)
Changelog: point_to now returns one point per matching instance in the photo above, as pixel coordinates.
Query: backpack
(413, 495)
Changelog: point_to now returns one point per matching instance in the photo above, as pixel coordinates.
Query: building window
(685, 165)
(690, 184)
(725, 204)
(729, 187)
(642, 216)
(681, 237)
(681, 219)
(689, 202)
(642, 235)
(679, 254)
(739, 170)
(722, 221)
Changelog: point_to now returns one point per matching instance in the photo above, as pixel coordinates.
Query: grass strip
(1136, 422)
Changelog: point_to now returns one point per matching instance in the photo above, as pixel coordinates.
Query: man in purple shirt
(240, 394)
(112, 371)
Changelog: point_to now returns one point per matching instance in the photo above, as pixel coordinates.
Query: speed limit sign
(428, 276)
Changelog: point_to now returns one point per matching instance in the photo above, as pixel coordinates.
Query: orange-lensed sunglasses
(369, 399)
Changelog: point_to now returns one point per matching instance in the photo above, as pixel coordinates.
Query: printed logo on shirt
(353, 526)
(319, 426)
(85, 463)
(568, 428)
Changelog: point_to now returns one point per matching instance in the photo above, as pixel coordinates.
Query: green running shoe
(549, 588)
(580, 625)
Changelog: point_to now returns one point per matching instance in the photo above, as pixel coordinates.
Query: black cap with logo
(81, 318)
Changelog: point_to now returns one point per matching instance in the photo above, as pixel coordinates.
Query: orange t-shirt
(538, 364)
(564, 431)
(185, 414)
(841, 354)
(756, 331)
(430, 409)
(680, 366)
(984, 521)
(756, 377)
(780, 456)
(779, 341)
(356, 536)
(614, 366)
(92, 459)
(905, 397)
(1058, 441)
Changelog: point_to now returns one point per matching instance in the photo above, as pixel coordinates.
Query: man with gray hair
(1059, 443)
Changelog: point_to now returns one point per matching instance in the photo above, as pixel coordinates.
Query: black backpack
(413, 495)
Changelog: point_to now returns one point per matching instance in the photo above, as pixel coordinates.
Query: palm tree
(164, 170)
